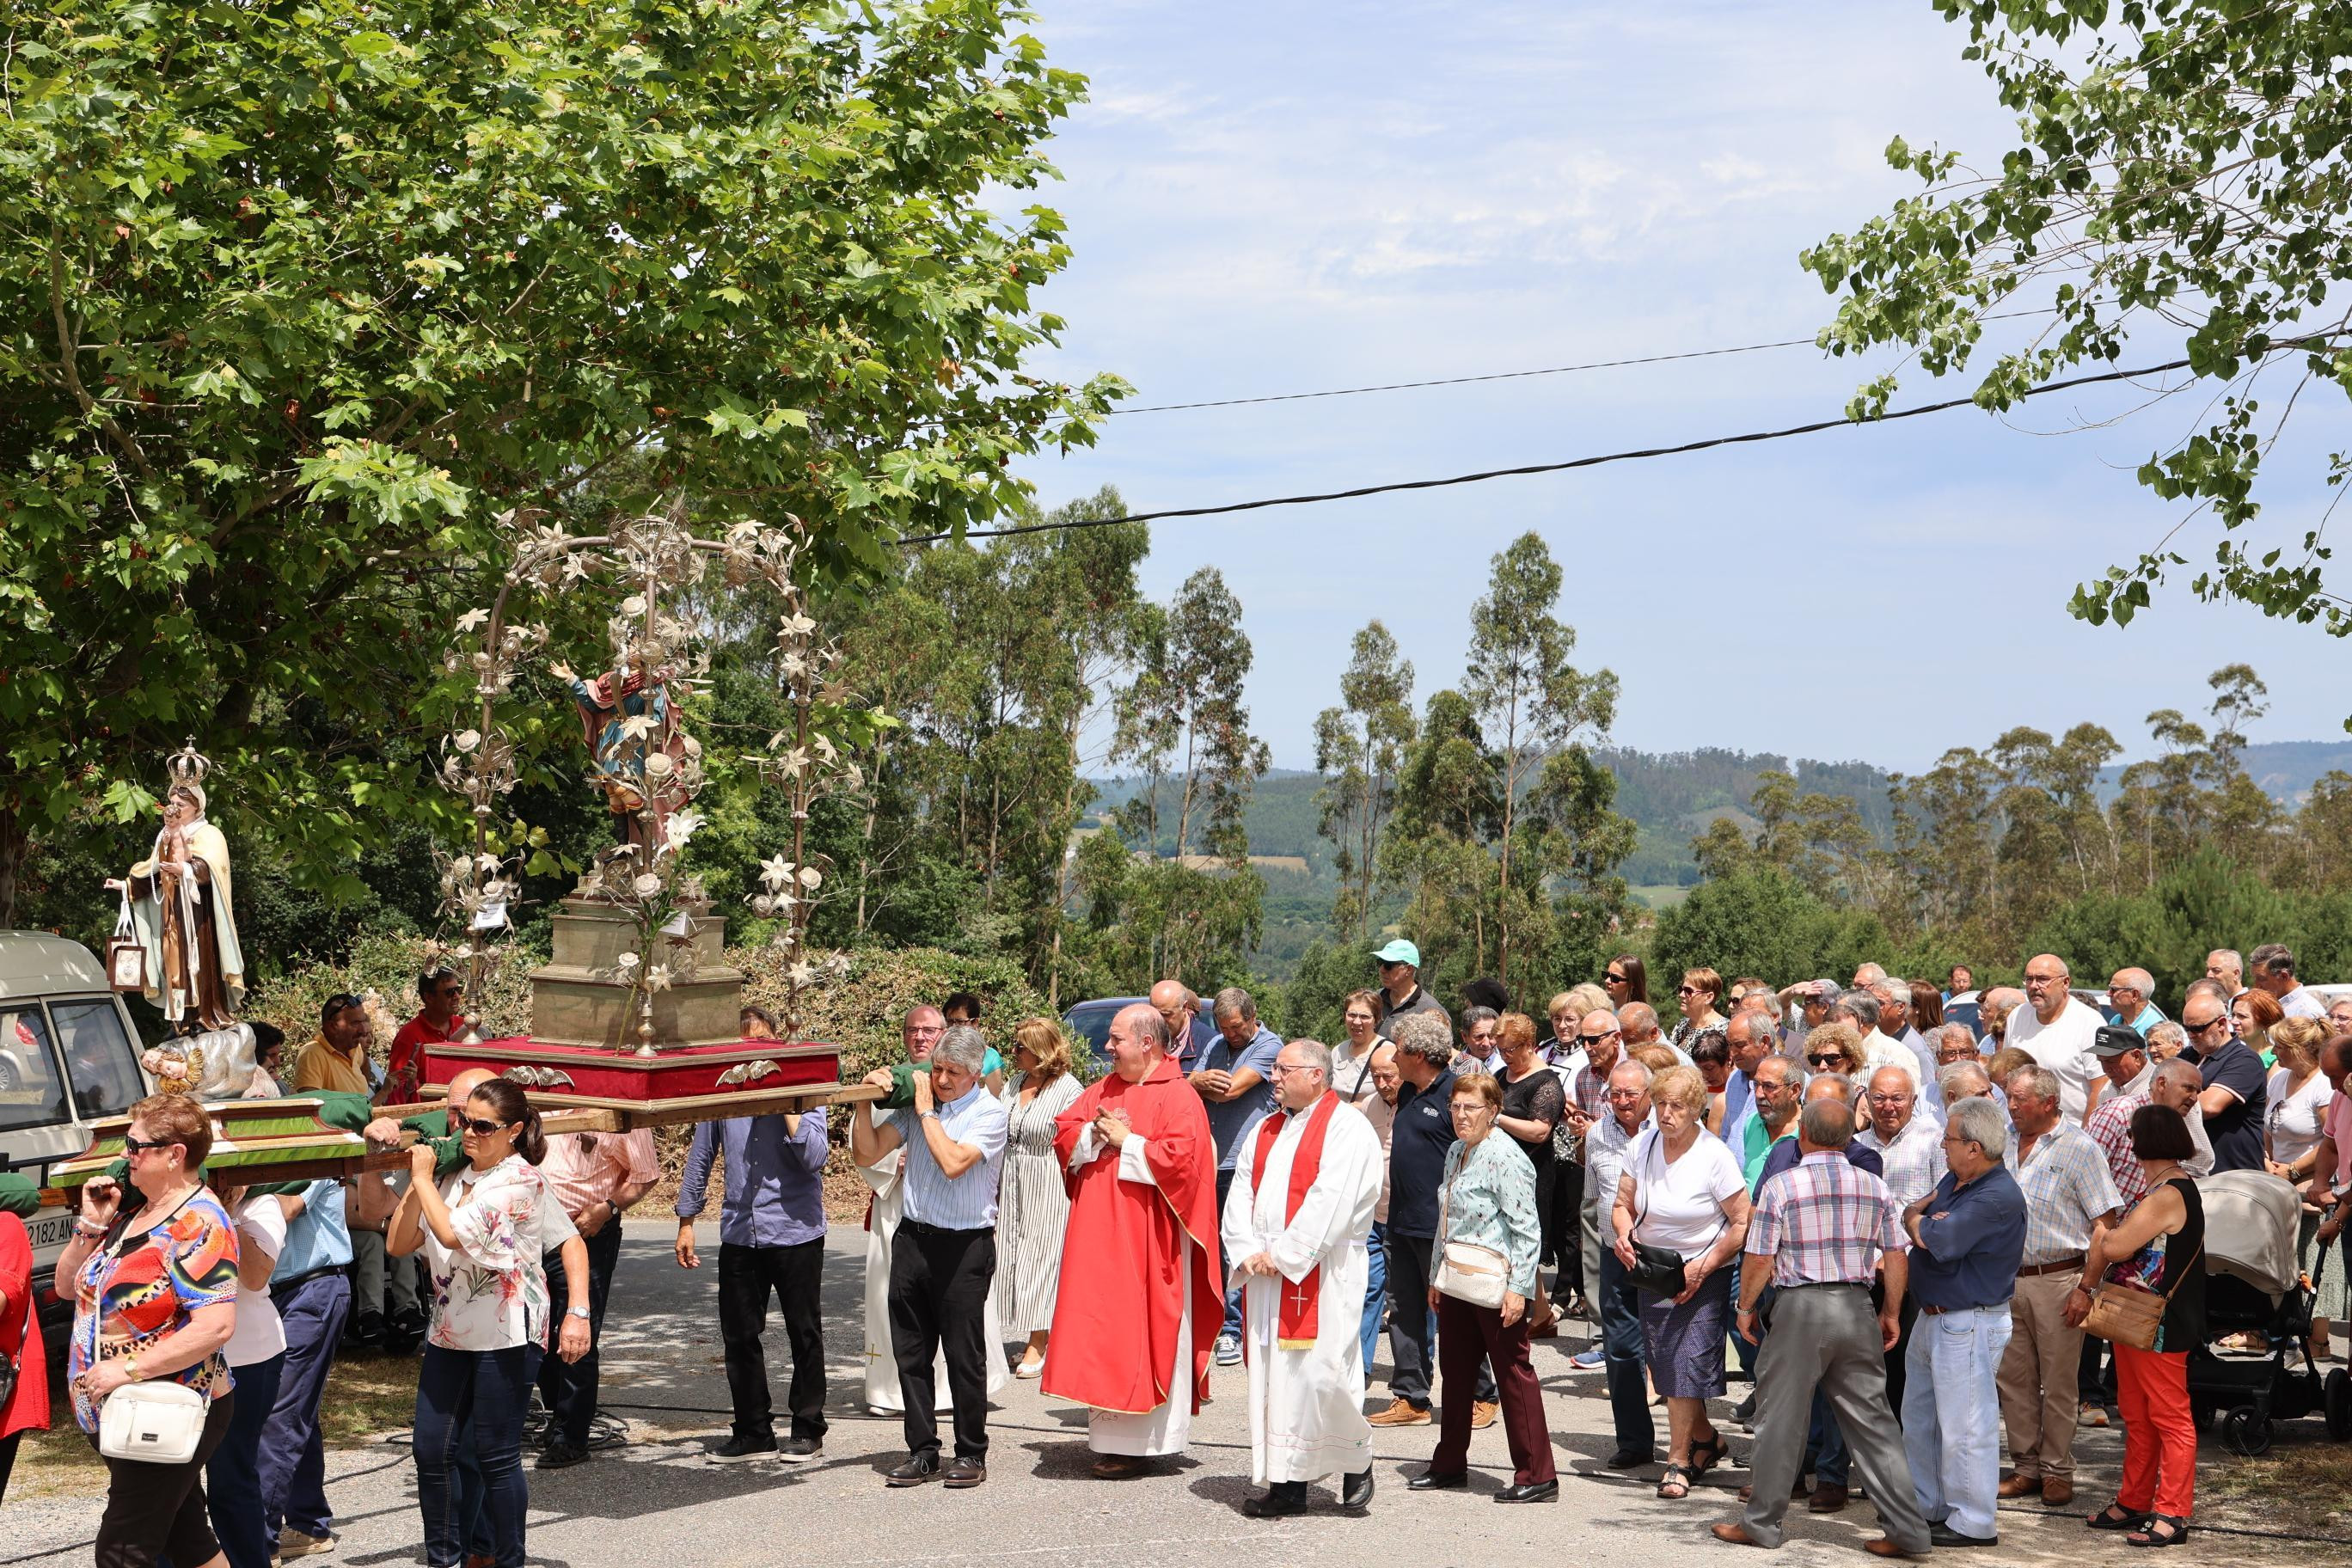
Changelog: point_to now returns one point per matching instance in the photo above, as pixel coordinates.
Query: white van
(69, 1055)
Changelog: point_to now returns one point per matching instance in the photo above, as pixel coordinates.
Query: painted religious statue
(180, 909)
(629, 719)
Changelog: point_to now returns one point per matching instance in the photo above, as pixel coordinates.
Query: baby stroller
(2253, 1287)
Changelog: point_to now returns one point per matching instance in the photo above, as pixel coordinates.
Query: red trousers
(2159, 1436)
(1464, 1333)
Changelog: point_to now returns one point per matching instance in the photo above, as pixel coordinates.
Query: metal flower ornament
(641, 760)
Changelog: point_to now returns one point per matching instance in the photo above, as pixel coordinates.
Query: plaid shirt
(2110, 1129)
(1824, 1221)
(1914, 1162)
(2064, 1176)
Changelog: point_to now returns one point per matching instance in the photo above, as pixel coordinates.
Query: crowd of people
(1929, 1223)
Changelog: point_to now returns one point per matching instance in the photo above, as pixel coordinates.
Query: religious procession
(966, 781)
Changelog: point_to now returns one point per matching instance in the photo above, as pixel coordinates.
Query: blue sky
(1280, 197)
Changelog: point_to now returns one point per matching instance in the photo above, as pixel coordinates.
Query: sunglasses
(480, 1127)
(1614, 978)
(2209, 1024)
(1690, 991)
(133, 1145)
(1831, 1061)
(1603, 1035)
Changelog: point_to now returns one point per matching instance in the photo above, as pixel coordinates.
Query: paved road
(661, 1500)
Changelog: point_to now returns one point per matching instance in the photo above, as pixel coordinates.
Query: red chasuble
(1120, 1299)
(1297, 1323)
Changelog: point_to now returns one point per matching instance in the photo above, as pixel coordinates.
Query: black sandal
(1677, 1478)
(1705, 1456)
(2114, 1516)
(2147, 1535)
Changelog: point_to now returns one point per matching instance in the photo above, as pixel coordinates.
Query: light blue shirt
(962, 1203)
(316, 1238)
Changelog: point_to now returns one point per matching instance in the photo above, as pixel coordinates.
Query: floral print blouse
(489, 1291)
(134, 1290)
(1488, 1195)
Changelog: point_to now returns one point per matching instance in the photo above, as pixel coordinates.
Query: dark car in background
(1090, 1021)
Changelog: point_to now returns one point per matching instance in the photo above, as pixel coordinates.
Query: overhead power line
(1589, 462)
(1509, 374)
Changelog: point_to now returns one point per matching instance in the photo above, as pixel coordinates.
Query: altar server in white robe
(1297, 1222)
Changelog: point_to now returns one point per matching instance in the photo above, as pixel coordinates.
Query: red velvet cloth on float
(675, 1078)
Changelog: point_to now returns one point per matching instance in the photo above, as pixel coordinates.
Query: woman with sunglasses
(1835, 1047)
(484, 1234)
(155, 1297)
(1626, 979)
(1696, 997)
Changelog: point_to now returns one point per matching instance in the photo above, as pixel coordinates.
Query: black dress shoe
(1944, 1536)
(1356, 1492)
(1282, 1499)
(1438, 1480)
(1530, 1492)
(560, 1456)
(919, 1468)
(1631, 1458)
(963, 1472)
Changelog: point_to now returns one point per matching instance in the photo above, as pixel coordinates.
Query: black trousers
(939, 1289)
(746, 1277)
(153, 1511)
(1566, 1229)
(567, 1388)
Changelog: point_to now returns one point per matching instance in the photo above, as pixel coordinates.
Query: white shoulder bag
(1466, 1270)
(156, 1423)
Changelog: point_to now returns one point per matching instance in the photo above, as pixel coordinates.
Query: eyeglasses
(479, 1127)
(1897, 1098)
(1283, 1069)
(1469, 1107)
(339, 1001)
(2033, 980)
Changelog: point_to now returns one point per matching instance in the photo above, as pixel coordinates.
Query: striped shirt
(1913, 1160)
(2068, 1187)
(1824, 1221)
(959, 1202)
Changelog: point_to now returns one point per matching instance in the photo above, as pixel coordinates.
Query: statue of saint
(636, 746)
(180, 908)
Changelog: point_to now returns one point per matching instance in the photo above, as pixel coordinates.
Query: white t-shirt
(2064, 1046)
(2293, 1120)
(259, 1334)
(1679, 1202)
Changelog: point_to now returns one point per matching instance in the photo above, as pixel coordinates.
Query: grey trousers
(1826, 1337)
(382, 1286)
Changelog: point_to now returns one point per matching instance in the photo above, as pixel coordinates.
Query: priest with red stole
(1138, 1302)
(1297, 1222)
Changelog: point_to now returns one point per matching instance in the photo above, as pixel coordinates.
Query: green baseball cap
(1400, 952)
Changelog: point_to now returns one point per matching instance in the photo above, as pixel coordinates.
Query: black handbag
(1657, 1270)
(7, 1378)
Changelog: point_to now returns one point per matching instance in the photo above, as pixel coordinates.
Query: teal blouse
(1489, 1197)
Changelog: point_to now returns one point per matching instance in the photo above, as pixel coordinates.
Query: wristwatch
(130, 1367)
(576, 1310)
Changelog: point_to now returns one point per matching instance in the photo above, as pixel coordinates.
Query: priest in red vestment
(1140, 1254)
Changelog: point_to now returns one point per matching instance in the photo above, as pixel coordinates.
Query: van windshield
(100, 1055)
(31, 1093)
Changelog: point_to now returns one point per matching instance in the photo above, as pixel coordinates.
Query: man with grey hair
(1953, 1043)
(1895, 1021)
(2273, 971)
(2130, 994)
(1479, 1052)
(1968, 1243)
(2068, 1194)
(1627, 1113)
(1965, 1081)
(1232, 1082)
(1879, 1049)
(1296, 1221)
(2226, 967)
(954, 1136)
(1418, 1143)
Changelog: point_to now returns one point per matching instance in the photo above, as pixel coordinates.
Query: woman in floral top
(484, 1234)
(155, 1298)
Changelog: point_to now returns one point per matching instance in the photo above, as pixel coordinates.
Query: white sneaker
(293, 1542)
(1229, 1350)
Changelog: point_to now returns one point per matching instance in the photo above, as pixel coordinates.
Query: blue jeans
(1232, 1324)
(1376, 1290)
(477, 1397)
(293, 1453)
(1825, 1448)
(233, 1475)
(1951, 1416)
(1621, 1344)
